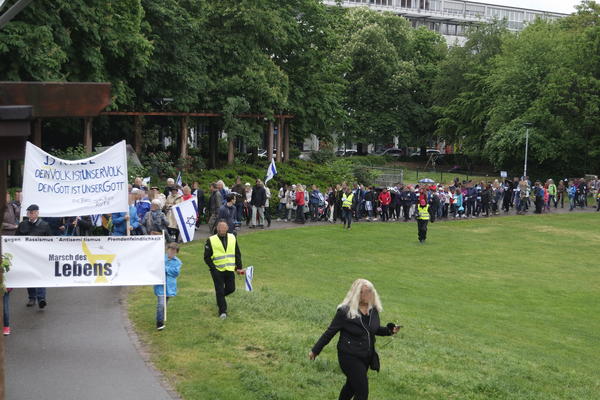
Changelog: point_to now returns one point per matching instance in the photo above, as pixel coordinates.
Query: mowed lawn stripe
(498, 308)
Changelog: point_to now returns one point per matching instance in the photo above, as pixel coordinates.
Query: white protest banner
(186, 215)
(60, 261)
(61, 188)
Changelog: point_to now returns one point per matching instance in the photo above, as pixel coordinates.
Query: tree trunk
(138, 140)
(286, 142)
(270, 142)
(213, 143)
(279, 140)
(183, 137)
(230, 150)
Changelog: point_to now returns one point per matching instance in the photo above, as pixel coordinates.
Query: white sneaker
(223, 316)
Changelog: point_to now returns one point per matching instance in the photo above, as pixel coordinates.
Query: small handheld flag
(271, 171)
(249, 275)
(186, 217)
(178, 181)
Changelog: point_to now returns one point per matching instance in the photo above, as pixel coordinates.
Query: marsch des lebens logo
(93, 266)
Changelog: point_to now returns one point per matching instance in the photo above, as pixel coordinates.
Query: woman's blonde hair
(352, 299)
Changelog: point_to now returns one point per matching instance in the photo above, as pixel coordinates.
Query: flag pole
(165, 293)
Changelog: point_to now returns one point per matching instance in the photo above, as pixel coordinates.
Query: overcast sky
(562, 6)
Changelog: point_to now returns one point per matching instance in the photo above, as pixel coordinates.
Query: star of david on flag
(186, 214)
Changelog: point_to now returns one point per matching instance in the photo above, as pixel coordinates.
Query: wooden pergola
(283, 139)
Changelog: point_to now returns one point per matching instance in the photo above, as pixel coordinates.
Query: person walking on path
(347, 201)
(227, 212)
(422, 220)
(385, 199)
(34, 226)
(224, 260)
(300, 202)
(258, 201)
(9, 228)
(172, 269)
(357, 321)
(214, 202)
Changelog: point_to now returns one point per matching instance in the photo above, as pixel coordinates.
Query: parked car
(429, 152)
(393, 152)
(346, 153)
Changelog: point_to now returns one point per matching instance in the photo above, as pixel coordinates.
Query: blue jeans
(5, 302)
(239, 212)
(36, 293)
(160, 309)
(281, 211)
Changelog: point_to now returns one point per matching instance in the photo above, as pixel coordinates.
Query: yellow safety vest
(224, 259)
(423, 212)
(347, 200)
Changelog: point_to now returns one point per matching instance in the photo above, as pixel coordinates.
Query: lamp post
(527, 125)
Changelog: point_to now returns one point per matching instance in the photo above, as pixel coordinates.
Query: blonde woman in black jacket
(357, 320)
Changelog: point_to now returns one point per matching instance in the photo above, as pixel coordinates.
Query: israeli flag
(249, 276)
(271, 171)
(96, 219)
(186, 215)
(178, 181)
(146, 180)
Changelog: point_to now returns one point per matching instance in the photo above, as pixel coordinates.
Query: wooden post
(270, 142)
(3, 189)
(37, 132)
(87, 134)
(183, 137)
(137, 134)
(279, 140)
(286, 144)
(230, 149)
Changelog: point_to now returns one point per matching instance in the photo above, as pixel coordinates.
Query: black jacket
(259, 196)
(355, 338)
(39, 228)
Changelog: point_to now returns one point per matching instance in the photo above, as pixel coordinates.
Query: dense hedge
(296, 171)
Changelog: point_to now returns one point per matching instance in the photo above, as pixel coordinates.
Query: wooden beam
(185, 114)
(37, 132)
(3, 189)
(270, 142)
(183, 137)
(138, 140)
(279, 140)
(87, 134)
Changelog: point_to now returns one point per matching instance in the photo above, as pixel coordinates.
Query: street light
(527, 124)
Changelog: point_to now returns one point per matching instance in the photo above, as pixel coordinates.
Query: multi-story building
(451, 18)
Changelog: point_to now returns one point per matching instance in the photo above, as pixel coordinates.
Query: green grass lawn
(500, 308)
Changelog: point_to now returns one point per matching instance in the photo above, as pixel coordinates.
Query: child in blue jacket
(172, 268)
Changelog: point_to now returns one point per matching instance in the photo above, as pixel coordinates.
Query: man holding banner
(34, 226)
(223, 257)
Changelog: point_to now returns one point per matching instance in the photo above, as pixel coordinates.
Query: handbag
(374, 364)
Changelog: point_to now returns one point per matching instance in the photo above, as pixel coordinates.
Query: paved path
(77, 348)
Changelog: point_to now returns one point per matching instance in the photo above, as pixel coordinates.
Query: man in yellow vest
(422, 219)
(347, 199)
(224, 260)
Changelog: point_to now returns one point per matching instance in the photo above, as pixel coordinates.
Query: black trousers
(357, 382)
(422, 224)
(406, 211)
(224, 285)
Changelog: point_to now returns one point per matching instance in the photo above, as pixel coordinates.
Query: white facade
(451, 18)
